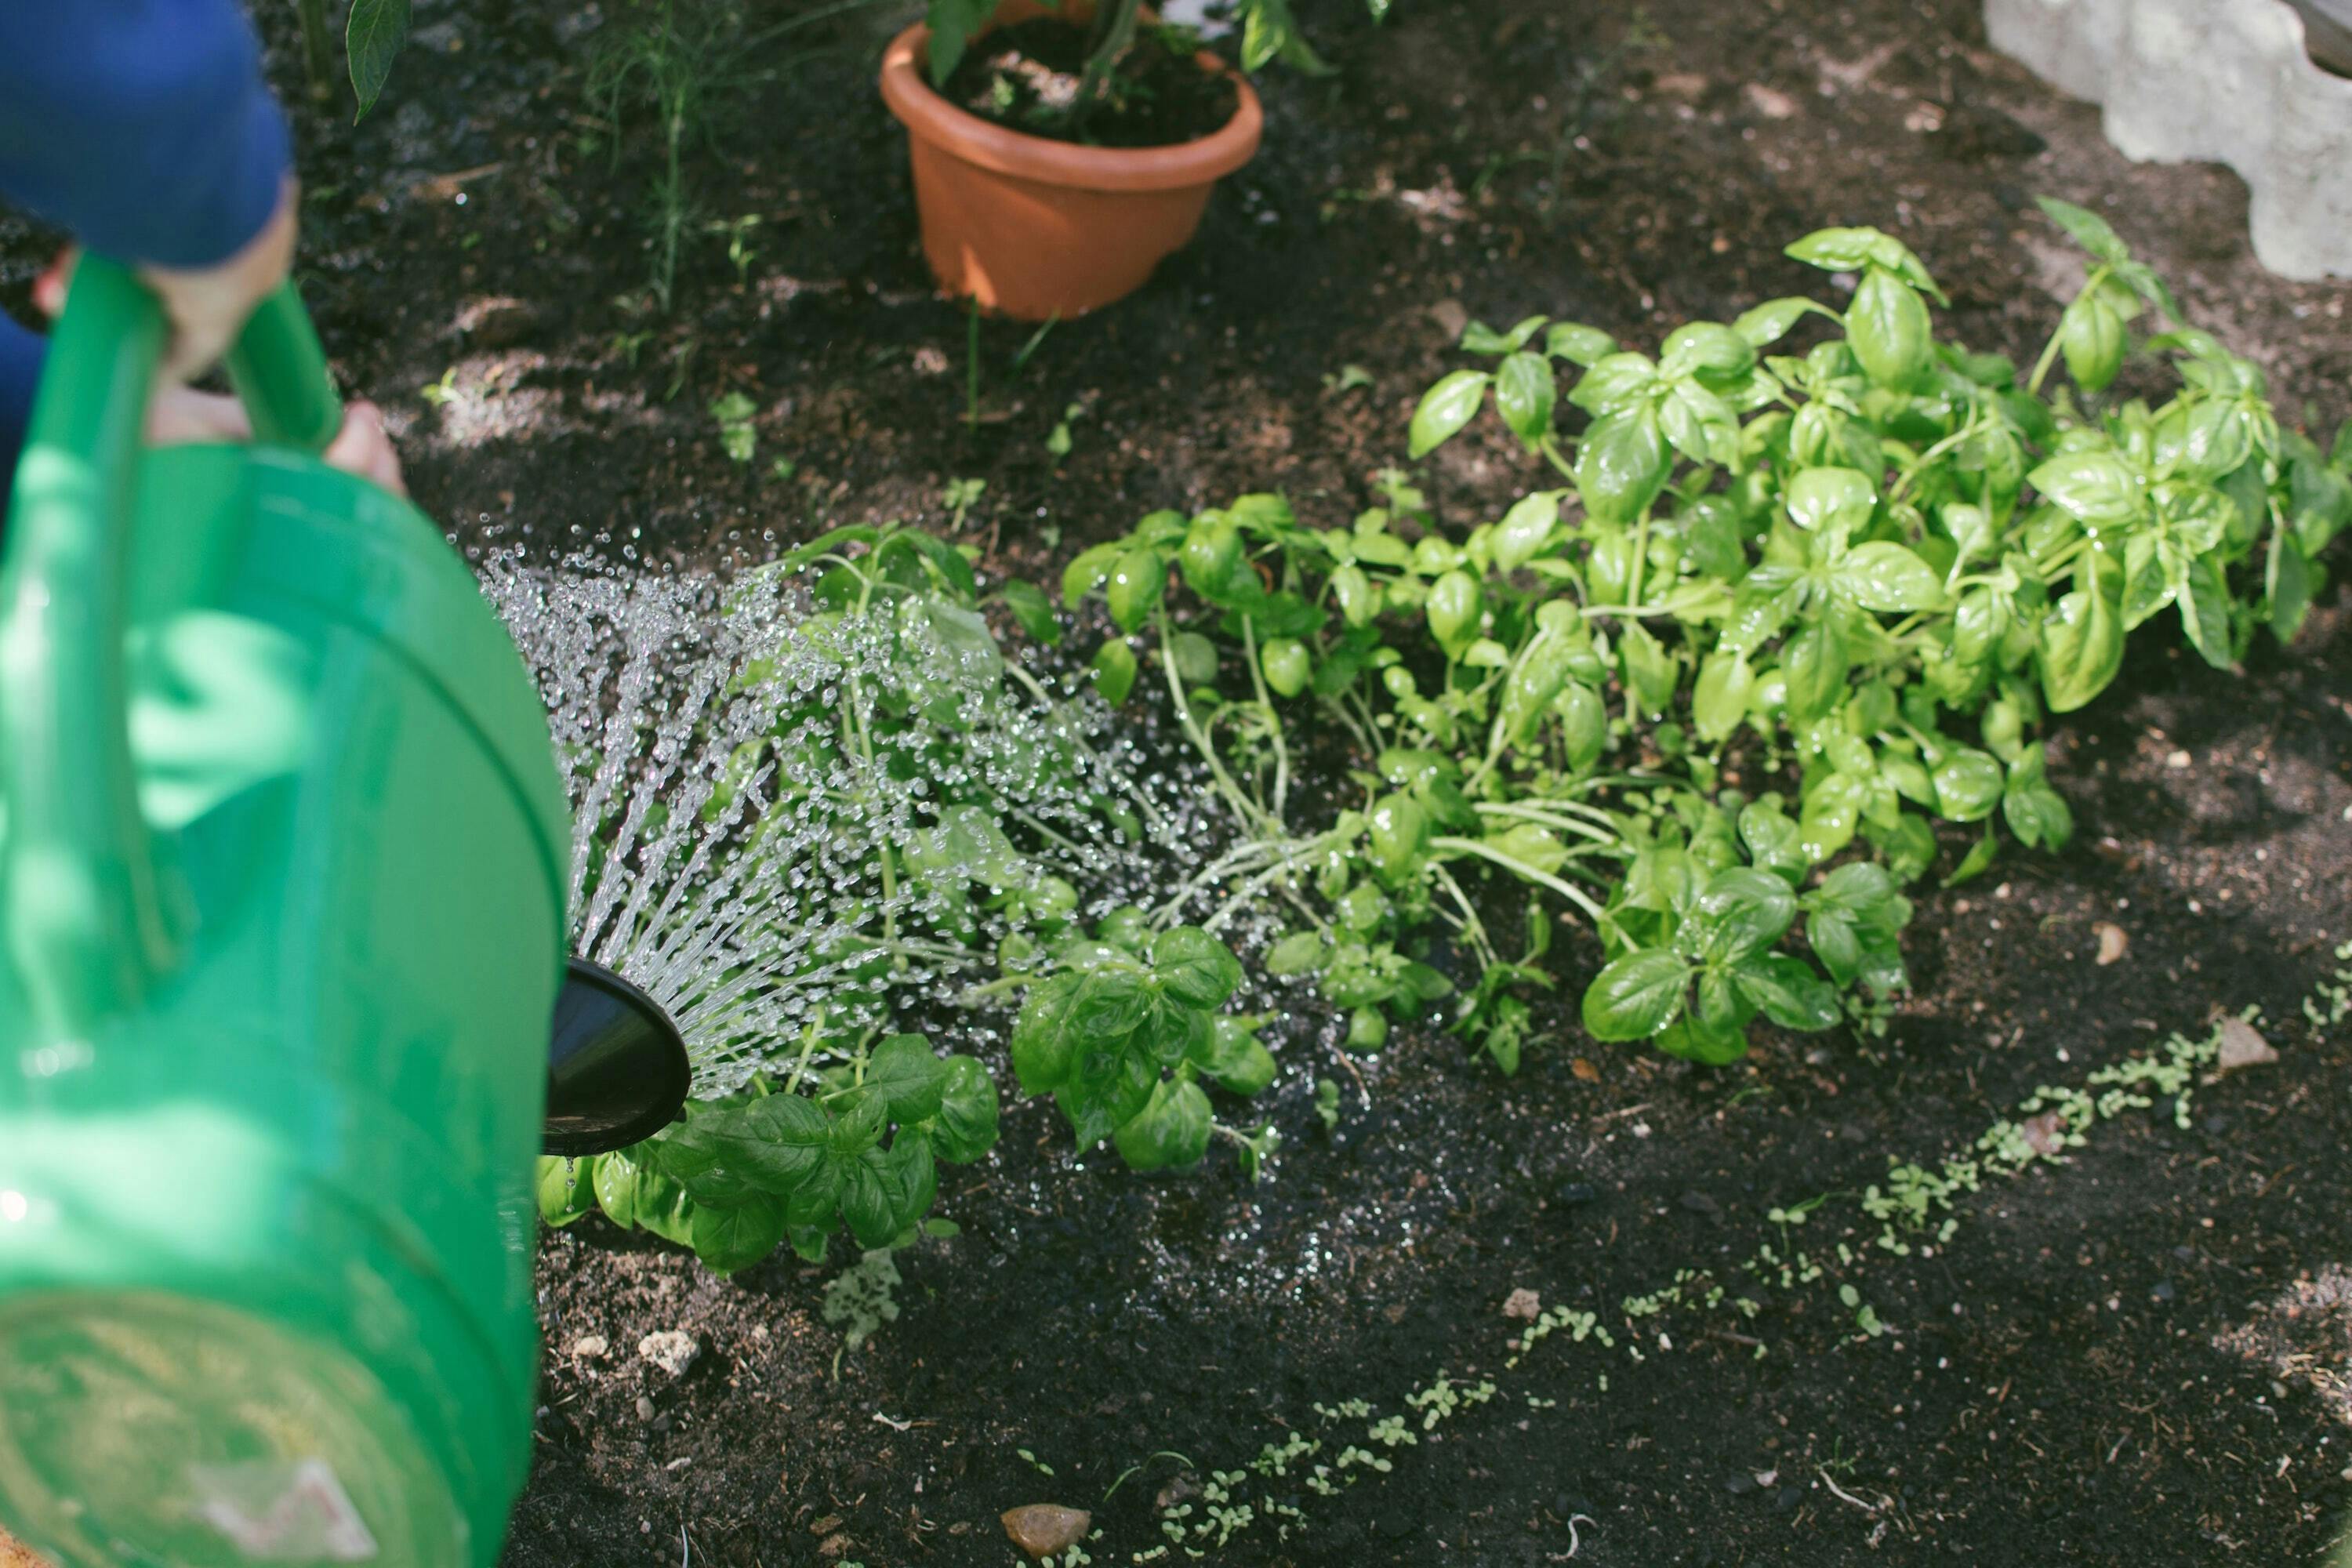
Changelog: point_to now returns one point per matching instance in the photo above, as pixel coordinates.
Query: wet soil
(1027, 78)
(2137, 1356)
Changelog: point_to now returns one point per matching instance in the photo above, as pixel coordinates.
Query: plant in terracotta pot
(1060, 152)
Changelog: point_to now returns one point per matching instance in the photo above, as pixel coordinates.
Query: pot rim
(967, 136)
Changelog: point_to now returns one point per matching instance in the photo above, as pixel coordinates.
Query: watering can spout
(616, 1066)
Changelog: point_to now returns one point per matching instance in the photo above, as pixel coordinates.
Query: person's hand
(206, 306)
(177, 414)
(360, 447)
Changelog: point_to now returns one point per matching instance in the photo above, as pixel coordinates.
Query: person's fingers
(183, 414)
(362, 447)
(208, 305)
(49, 288)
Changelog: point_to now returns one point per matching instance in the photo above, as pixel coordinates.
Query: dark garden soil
(1027, 77)
(2137, 1357)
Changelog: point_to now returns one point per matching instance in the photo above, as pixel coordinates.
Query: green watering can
(283, 862)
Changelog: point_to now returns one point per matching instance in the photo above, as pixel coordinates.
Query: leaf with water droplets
(871, 1199)
(908, 1076)
(966, 1125)
(1195, 967)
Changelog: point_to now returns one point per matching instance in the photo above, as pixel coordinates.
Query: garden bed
(2138, 1355)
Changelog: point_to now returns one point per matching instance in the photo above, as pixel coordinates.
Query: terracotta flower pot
(1036, 228)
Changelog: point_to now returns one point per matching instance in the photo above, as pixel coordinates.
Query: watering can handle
(86, 925)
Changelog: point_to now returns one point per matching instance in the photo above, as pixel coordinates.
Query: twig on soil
(1340, 1050)
(1844, 1496)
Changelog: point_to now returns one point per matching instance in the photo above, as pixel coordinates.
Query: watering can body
(283, 860)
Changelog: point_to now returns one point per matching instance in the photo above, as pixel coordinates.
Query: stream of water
(790, 823)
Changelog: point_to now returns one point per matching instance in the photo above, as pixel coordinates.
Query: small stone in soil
(1044, 1529)
(1699, 1203)
(1574, 1193)
(670, 1350)
(1523, 1304)
(1741, 1485)
(645, 1409)
(2164, 1291)
(1788, 1498)
(2113, 942)
(590, 1347)
(2242, 1046)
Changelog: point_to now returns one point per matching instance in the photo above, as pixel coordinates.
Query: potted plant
(1054, 170)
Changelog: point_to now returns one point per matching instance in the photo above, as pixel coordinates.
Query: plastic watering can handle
(85, 922)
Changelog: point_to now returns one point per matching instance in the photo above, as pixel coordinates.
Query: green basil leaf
(1522, 534)
(966, 1126)
(909, 1078)
(2286, 583)
(566, 1188)
(1531, 846)
(1700, 425)
(1636, 997)
(1742, 911)
(1171, 1131)
(1195, 967)
(2091, 334)
(1719, 697)
(1692, 1040)
(870, 1200)
(1113, 670)
(728, 1239)
(1832, 498)
(1772, 841)
(1879, 575)
(915, 1175)
(1478, 338)
(373, 37)
(1086, 571)
(1968, 784)
(1974, 863)
(2094, 486)
(1583, 724)
(1649, 671)
(1108, 1006)
(1138, 580)
(1707, 348)
(1445, 408)
(1888, 328)
(1523, 396)
(1770, 322)
(2087, 228)
(1044, 1051)
(1621, 464)
(1239, 1062)
(1615, 381)
(1831, 812)
(1791, 993)
(1300, 953)
(2036, 813)
(1837, 943)
(1814, 658)
(1033, 610)
(2220, 439)
(1578, 344)
(2081, 645)
(1195, 659)
(1836, 249)
(2204, 606)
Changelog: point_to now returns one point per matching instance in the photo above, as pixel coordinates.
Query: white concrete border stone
(2222, 80)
